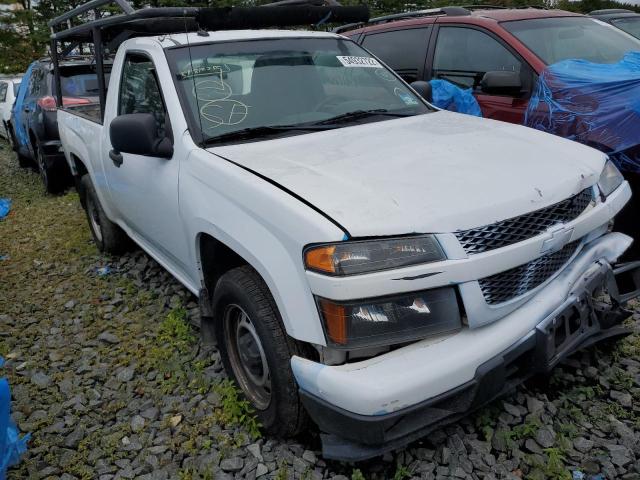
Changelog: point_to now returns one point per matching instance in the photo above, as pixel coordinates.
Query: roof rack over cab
(112, 29)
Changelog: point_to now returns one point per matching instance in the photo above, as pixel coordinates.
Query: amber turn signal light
(335, 321)
(321, 258)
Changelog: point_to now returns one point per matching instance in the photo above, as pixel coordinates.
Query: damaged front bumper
(367, 408)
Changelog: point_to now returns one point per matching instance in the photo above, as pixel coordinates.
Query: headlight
(389, 320)
(352, 258)
(610, 179)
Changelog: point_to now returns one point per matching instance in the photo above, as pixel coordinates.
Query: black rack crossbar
(126, 19)
(86, 7)
(287, 13)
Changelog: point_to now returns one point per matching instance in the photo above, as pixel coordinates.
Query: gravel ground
(109, 378)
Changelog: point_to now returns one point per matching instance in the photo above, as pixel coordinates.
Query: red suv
(498, 52)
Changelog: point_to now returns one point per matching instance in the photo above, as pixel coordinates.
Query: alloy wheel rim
(248, 360)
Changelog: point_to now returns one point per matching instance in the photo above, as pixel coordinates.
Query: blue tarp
(11, 445)
(5, 206)
(595, 104)
(450, 97)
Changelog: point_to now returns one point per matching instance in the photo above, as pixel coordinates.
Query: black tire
(52, 177)
(243, 287)
(108, 236)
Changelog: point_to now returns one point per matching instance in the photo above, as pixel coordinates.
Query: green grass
(51, 259)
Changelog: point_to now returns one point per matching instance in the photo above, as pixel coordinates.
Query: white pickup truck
(362, 259)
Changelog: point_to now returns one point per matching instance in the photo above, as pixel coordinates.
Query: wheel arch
(78, 167)
(78, 170)
(215, 258)
(218, 253)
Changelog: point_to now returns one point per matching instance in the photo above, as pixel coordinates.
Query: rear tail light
(48, 103)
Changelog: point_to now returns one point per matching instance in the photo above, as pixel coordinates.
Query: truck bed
(90, 111)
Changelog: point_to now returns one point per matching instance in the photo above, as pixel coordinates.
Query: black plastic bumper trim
(353, 437)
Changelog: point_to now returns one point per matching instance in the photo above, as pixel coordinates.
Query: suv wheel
(256, 351)
(52, 179)
(108, 236)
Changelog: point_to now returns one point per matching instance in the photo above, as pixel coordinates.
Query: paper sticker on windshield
(359, 62)
(407, 98)
(220, 70)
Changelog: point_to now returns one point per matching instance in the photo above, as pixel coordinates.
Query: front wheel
(256, 351)
(108, 236)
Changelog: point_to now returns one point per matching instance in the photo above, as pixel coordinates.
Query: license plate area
(565, 331)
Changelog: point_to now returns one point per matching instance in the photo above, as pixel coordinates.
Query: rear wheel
(108, 236)
(51, 175)
(256, 351)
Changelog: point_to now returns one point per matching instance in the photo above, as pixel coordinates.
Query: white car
(8, 91)
(361, 258)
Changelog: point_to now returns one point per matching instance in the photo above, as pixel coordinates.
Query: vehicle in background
(360, 258)
(499, 53)
(34, 125)
(8, 92)
(626, 20)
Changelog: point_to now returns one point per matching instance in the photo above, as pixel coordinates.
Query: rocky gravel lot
(109, 378)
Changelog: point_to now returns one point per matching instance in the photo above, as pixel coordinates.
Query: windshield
(629, 25)
(240, 86)
(581, 38)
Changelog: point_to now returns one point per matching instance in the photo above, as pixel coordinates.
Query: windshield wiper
(358, 114)
(258, 132)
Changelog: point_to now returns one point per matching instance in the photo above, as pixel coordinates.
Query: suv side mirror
(501, 82)
(137, 133)
(423, 89)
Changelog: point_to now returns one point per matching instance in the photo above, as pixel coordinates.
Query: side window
(403, 50)
(464, 55)
(140, 91)
(35, 83)
(3, 91)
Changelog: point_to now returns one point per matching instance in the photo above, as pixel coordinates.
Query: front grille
(515, 282)
(517, 229)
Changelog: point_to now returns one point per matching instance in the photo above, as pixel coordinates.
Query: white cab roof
(193, 38)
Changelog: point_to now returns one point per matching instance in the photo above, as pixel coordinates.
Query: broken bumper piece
(548, 334)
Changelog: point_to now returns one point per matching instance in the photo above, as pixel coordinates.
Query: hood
(433, 173)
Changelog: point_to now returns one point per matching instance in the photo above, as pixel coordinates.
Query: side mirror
(501, 82)
(424, 89)
(137, 133)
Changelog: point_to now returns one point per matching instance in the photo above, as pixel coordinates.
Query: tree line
(24, 32)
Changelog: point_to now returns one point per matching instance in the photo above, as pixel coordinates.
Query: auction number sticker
(359, 62)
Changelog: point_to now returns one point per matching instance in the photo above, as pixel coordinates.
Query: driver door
(144, 189)
(464, 54)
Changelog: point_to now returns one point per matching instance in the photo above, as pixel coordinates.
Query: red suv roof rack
(449, 11)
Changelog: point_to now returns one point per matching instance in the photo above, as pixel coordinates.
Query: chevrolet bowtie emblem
(558, 237)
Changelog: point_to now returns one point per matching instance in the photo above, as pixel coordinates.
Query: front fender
(261, 223)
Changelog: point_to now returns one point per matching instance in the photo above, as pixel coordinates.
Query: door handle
(116, 158)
